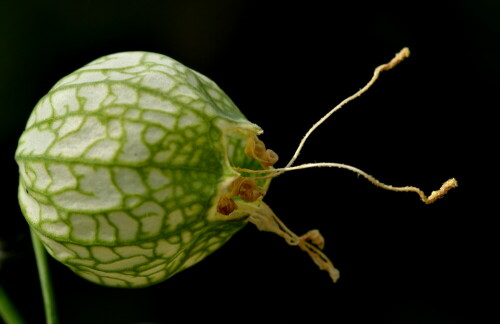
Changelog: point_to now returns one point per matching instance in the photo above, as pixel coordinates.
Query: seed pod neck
(245, 188)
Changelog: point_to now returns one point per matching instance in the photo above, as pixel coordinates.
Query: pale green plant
(135, 167)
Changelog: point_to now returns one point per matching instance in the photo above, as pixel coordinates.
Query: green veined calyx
(135, 167)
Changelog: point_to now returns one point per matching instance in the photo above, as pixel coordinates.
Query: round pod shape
(123, 164)
(135, 167)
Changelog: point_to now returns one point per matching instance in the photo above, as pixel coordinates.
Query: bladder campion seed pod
(135, 167)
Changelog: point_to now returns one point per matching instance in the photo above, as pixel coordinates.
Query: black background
(285, 65)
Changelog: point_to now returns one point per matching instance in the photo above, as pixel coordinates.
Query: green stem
(45, 282)
(7, 310)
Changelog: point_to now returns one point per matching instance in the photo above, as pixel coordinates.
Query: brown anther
(256, 149)
(234, 187)
(249, 191)
(246, 188)
(226, 205)
(270, 158)
(314, 237)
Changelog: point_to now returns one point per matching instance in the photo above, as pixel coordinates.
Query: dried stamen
(312, 242)
(256, 149)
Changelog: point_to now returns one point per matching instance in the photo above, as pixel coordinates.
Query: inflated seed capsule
(122, 165)
(135, 167)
